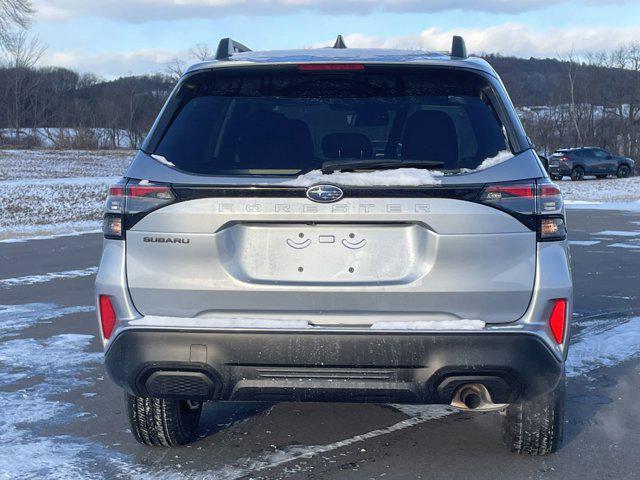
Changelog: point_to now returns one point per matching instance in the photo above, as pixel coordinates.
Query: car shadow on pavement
(218, 416)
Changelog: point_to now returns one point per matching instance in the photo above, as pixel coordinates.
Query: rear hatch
(404, 259)
(246, 237)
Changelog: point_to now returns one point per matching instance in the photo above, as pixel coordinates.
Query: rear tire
(160, 422)
(577, 174)
(536, 427)
(623, 171)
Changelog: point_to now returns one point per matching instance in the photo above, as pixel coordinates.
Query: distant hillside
(534, 81)
(61, 108)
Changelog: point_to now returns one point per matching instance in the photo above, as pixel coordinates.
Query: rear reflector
(323, 67)
(107, 316)
(558, 320)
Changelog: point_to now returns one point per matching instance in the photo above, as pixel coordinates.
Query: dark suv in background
(578, 162)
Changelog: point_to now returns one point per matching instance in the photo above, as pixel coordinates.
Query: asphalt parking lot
(60, 417)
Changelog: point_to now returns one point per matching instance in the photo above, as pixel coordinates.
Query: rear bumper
(330, 366)
(560, 169)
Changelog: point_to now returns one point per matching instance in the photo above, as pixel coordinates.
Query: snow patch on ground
(14, 318)
(405, 177)
(47, 277)
(611, 190)
(48, 232)
(47, 182)
(50, 206)
(585, 243)
(618, 233)
(586, 205)
(55, 358)
(45, 192)
(606, 348)
(625, 245)
(61, 363)
(34, 164)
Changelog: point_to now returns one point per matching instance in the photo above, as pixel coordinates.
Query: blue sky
(116, 37)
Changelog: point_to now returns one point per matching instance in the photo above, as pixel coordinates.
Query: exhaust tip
(472, 400)
(474, 396)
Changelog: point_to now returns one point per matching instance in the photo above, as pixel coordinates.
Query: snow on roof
(339, 54)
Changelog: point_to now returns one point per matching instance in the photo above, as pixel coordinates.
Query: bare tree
(572, 92)
(22, 52)
(13, 13)
(201, 52)
(175, 69)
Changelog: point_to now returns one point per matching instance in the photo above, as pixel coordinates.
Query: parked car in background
(578, 162)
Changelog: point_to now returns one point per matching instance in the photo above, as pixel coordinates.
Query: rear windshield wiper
(377, 163)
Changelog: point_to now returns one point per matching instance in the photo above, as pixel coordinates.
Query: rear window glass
(292, 123)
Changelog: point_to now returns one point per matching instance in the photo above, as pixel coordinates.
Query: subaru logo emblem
(324, 193)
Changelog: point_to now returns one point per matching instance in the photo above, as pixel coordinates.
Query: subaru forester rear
(337, 225)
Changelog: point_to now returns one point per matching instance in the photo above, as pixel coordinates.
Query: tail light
(129, 201)
(558, 320)
(107, 315)
(564, 159)
(537, 204)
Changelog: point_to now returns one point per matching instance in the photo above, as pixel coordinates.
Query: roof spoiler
(458, 47)
(227, 47)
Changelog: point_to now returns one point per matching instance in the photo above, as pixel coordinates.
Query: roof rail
(458, 47)
(339, 42)
(228, 47)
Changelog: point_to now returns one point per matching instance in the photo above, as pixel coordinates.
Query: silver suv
(337, 225)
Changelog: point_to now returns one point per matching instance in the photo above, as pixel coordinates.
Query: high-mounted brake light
(130, 200)
(318, 67)
(107, 315)
(558, 320)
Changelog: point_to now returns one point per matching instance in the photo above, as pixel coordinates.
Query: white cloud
(113, 64)
(507, 39)
(145, 10)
